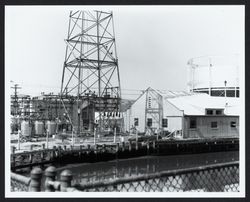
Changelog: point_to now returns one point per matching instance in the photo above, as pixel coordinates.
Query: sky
(154, 43)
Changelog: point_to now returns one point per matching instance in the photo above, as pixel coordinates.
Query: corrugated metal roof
(196, 104)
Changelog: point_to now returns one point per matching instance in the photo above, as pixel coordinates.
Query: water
(105, 171)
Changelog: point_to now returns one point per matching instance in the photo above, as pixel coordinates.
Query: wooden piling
(88, 151)
(117, 147)
(53, 153)
(13, 149)
(80, 152)
(30, 158)
(117, 150)
(104, 148)
(42, 155)
(129, 146)
(148, 144)
(59, 151)
(123, 146)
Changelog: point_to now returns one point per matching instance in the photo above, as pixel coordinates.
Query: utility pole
(15, 103)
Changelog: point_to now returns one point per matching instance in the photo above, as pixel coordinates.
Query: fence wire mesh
(221, 179)
(18, 186)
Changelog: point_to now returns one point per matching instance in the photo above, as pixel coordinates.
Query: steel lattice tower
(90, 70)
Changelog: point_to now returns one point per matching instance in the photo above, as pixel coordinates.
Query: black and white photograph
(125, 101)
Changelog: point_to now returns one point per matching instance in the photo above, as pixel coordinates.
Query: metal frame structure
(154, 110)
(222, 90)
(90, 70)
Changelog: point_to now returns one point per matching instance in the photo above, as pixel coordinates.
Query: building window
(233, 124)
(214, 111)
(192, 123)
(214, 124)
(136, 121)
(209, 112)
(218, 112)
(149, 122)
(165, 123)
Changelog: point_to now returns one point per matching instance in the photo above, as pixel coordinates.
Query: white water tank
(51, 127)
(39, 128)
(25, 128)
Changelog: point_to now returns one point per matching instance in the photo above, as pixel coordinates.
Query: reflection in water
(217, 180)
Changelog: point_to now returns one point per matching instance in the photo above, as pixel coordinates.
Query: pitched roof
(196, 104)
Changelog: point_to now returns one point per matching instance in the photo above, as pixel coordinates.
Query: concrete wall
(204, 129)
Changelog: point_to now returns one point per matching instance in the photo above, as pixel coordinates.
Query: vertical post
(80, 152)
(65, 178)
(117, 150)
(123, 146)
(72, 136)
(50, 174)
(47, 138)
(59, 151)
(42, 155)
(94, 135)
(31, 155)
(129, 146)
(18, 139)
(88, 151)
(43, 146)
(13, 156)
(148, 144)
(136, 142)
(225, 91)
(103, 148)
(210, 76)
(53, 152)
(36, 178)
(13, 149)
(115, 135)
(117, 147)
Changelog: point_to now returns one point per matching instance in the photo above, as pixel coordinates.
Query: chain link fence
(19, 183)
(215, 178)
(223, 177)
